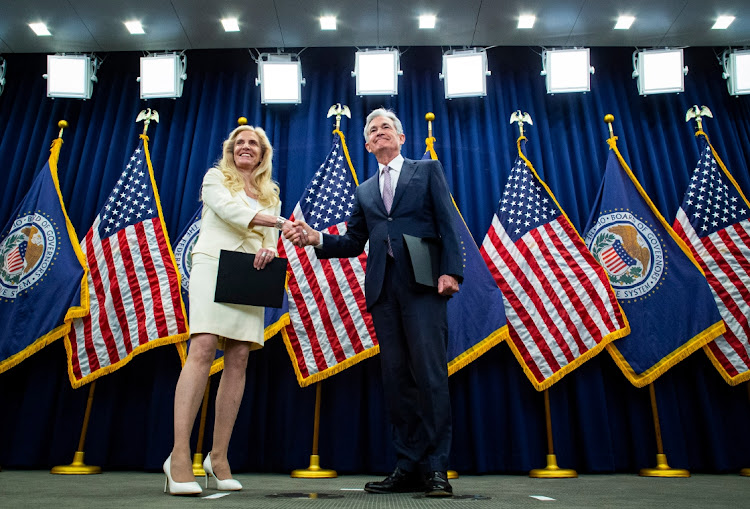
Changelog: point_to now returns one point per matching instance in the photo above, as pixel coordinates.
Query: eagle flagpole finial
(338, 110)
(147, 115)
(694, 112)
(520, 117)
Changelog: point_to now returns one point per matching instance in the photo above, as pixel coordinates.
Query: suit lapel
(371, 191)
(407, 172)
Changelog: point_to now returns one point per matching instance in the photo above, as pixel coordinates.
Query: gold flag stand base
(452, 474)
(663, 470)
(313, 471)
(745, 472)
(552, 471)
(198, 465)
(78, 467)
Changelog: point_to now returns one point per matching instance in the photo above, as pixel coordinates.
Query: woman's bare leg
(187, 399)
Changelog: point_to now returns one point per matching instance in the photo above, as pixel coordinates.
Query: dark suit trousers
(412, 330)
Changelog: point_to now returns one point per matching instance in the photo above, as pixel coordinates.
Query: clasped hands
(301, 234)
(264, 256)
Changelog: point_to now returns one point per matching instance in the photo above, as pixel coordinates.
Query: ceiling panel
(97, 25)
(259, 26)
(554, 22)
(300, 24)
(68, 31)
(693, 26)
(107, 25)
(653, 21)
(399, 22)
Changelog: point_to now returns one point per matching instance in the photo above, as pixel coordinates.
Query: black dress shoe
(437, 485)
(399, 481)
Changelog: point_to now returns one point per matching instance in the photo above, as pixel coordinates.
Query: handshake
(301, 234)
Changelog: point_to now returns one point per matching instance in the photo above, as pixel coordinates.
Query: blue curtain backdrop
(601, 423)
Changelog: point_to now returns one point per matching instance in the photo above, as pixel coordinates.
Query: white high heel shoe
(178, 488)
(221, 485)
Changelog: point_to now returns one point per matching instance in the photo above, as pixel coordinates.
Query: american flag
(330, 328)
(714, 221)
(560, 307)
(134, 286)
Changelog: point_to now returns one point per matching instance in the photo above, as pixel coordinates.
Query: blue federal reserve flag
(476, 314)
(42, 270)
(663, 292)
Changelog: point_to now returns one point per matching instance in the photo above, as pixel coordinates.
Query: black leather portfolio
(424, 255)
(238, 282)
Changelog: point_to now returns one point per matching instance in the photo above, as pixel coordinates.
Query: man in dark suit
(405, 197)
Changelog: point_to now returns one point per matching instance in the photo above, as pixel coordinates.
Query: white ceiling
(97, 25)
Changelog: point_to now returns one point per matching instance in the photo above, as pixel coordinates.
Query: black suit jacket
(422, 207)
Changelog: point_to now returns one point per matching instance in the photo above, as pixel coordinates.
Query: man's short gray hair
(382, 112)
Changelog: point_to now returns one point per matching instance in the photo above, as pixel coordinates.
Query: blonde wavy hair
(261, 181)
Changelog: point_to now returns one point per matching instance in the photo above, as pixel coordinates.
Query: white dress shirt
(395, 166)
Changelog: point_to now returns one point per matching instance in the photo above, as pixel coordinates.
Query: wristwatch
(279, 223)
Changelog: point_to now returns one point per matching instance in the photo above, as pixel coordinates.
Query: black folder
(424, 255)
(238, 282)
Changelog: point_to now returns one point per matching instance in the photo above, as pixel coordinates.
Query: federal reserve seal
(26, 253)
(183, 253)
(630, 251)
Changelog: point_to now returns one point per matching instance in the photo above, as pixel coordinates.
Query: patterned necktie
(387, 189)
(388, 198)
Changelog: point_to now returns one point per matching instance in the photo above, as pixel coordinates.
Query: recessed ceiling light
(134, 27)
(39, 29)
(427, 21)
(328, 22)
(722, 22)
(526, 21)
(230, 25)
(624, 22)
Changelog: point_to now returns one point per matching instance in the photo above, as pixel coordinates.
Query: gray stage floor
(138, 490)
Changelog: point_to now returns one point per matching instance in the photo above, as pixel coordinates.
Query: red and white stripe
(612, 261)
(724, 257)
(558, 300)
(329, 322)
(14, 261)
(134, 295)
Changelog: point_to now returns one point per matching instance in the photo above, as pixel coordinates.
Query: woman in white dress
(240, 213)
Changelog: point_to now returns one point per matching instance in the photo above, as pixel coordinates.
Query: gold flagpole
(198, 456)
(696, 113)
(551, 471)
(62, 125)
(430, 144)
(662, 469)
(78, 466)
(746, 471)
(314, 471)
